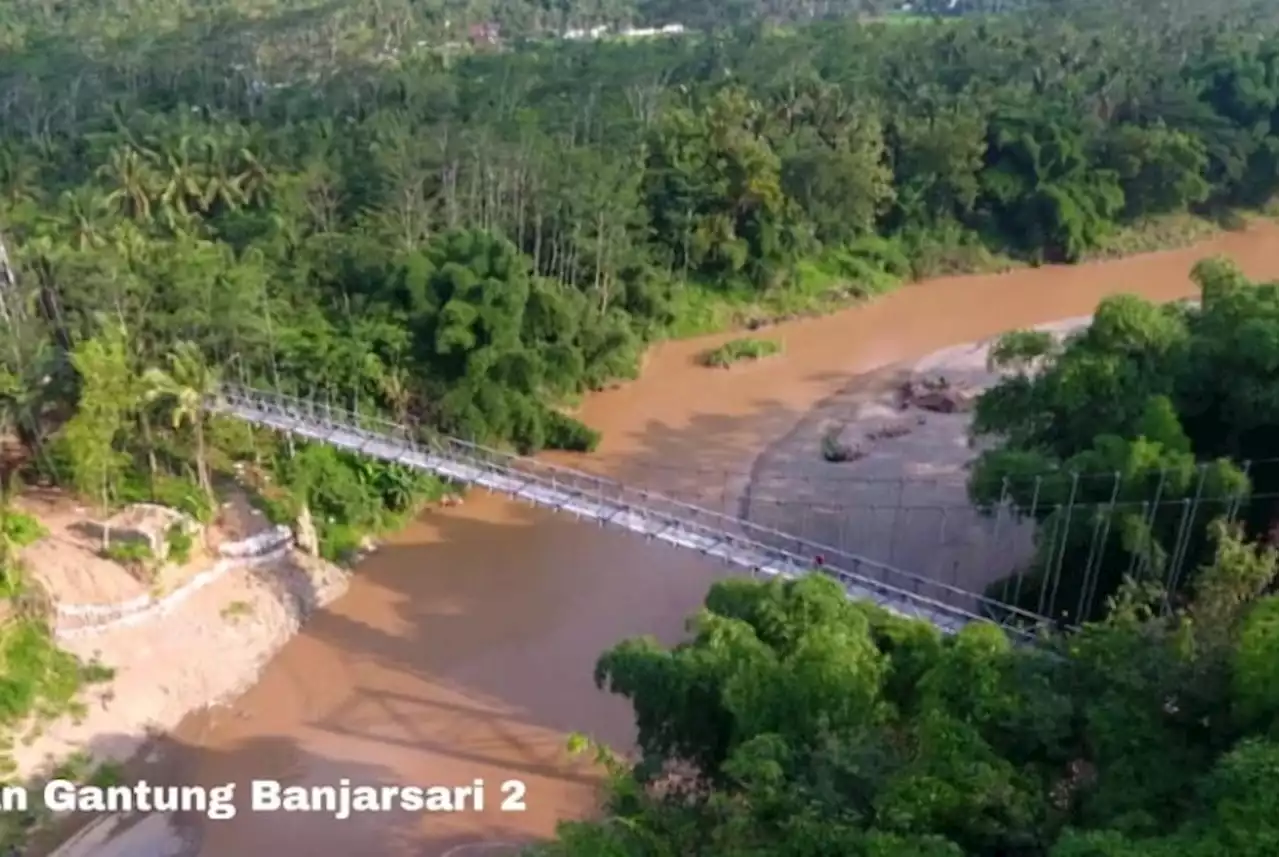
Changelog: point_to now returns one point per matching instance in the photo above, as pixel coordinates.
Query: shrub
(21, 529)
(137, 557)
(38, 677)
(185, 496)
(564, 432)
(277, 504)
(338, 542)
(737, 350)
(1254, 679)
(179, 543)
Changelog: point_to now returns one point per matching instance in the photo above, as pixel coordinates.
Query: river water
(465, 647)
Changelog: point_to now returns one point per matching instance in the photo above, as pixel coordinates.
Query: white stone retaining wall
(88, 619)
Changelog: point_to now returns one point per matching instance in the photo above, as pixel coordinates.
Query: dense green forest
(296, 196)
(350, 201)
(796, 723)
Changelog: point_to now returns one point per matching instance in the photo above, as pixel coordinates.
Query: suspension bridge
(759, 550)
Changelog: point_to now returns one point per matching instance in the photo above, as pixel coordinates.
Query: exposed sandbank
(903, 502)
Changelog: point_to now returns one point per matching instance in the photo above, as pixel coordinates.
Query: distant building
(650, 32)
(599, 32)
(488, 33)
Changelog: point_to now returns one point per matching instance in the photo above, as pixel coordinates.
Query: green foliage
(279, 506)
(569, 434)
(184, 496)
(178, 543)
(468, 240)
(736, 350)
(1021, 349)
(1255, 678)
(105, 395)
(796, 722)
(348, 495)
(128, 553)
(499, 343)
(36, 677)
(19, 529)
(1173, 400)
(180, 493)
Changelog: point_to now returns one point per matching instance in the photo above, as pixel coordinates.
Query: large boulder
(938, 395)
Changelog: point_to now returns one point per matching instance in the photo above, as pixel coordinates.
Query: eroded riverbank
(465, 647)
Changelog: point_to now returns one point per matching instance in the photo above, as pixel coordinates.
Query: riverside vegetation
(334, 201)
(738, 350)
(796, 723)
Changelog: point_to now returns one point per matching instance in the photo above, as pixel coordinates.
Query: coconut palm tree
(81, 212)
(182, 184)
(134, 183)
(186, 386)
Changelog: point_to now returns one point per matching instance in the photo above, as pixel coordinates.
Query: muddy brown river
(465, 647)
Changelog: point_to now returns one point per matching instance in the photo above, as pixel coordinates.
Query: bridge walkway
(758, 550)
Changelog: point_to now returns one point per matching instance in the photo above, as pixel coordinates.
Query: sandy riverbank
(904, 501)
(206, 648)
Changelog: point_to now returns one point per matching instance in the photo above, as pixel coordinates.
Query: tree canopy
(796, 723)
(348, 202)
(1176, 402)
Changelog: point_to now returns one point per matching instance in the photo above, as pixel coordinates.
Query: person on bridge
(819, 560)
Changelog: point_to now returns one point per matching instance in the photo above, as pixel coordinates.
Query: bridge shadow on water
(464, 649)
(706, 459)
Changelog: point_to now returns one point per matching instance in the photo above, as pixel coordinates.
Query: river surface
(464, 648)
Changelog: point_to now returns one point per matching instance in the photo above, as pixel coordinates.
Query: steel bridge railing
(761, 549)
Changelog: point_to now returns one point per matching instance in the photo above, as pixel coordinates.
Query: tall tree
(105, 402)
(186, 387)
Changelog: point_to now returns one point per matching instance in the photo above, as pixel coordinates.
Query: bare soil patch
(208, 647)
(67, 562)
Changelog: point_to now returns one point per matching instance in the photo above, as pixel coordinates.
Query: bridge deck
(683, 525)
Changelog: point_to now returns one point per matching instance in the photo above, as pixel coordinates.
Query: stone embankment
(80, 620)
(196, 646)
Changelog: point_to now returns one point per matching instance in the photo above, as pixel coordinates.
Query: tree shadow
(705, 461)
(464, 650)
